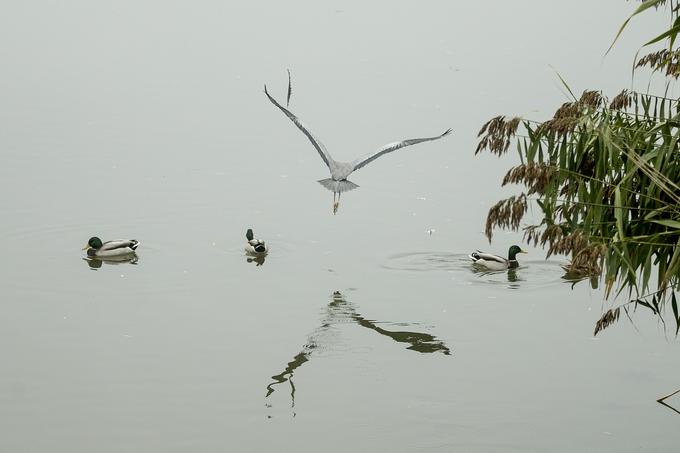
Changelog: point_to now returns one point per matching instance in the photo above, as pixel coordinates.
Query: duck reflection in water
(258, 260)
(340, 311)
(96, 263)
(513, 275)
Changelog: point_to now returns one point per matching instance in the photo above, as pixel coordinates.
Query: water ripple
(530, 274)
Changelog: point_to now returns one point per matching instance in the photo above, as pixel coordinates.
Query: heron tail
(338, 186)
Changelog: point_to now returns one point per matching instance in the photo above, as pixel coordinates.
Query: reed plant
(604, 174)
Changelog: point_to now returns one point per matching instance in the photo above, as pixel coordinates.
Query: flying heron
(338, 182)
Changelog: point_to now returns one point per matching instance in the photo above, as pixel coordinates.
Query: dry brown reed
(605, 178)
(621, 101)
(666, 61)
(608, 318)
(497, 134)
(506, 214)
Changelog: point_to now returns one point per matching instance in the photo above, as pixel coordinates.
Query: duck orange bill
(87, 246)
(523, 251)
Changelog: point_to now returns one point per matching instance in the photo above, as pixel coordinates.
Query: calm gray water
(360, 331)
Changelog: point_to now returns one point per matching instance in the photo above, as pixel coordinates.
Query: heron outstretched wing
(316, 142)
(360, 162)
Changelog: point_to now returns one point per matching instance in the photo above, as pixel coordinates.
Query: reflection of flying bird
(341, 311)
(338, 182)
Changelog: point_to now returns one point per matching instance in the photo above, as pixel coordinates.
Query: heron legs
(336, 203)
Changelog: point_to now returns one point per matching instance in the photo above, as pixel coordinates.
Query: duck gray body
(255, 246)
(111, 249)
(496, 262)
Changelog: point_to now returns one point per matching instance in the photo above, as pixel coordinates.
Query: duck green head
(93, 243)
(514, 250)
(249, 234)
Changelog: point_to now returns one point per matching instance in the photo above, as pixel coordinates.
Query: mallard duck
(109, 249)
(495, 262)
(255, 246)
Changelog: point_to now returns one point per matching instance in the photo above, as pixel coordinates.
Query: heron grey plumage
(338, 182)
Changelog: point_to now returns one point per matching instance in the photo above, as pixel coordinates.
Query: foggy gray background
(148, 120)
